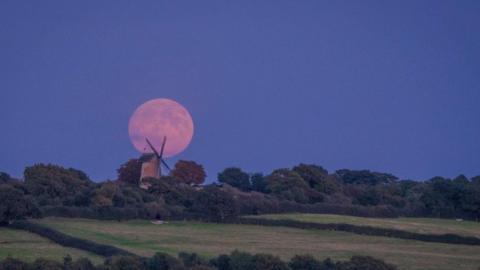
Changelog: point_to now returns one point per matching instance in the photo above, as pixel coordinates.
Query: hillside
(209, 239)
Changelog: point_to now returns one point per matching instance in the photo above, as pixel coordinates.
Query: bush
(190, 259)
(214, 204)
(241, 260)
(125, 263)
(304, 262)
(365, 263)
(161, 261)
(69, 241)
(45, 264)
(82, 264)
(13, 264)
(221, 262)
(4, 178)
(14, 205)
(268, 262)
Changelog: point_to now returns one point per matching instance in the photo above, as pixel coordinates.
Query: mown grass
(209, 239)
(27, 246)
(418, 225)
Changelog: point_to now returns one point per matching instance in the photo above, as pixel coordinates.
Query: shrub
(214, 204)
(190, 259)
(125, 263)
(221, 262)
(268, 262)
(45, 264)
(14, 205)
(304, 262)
(241, 260)
(82, 264)
(365, 263)
(13, 264)
(161, 261)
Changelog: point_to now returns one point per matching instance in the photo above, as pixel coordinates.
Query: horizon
(390, 87)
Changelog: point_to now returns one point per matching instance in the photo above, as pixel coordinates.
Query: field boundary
(362, 230)
(67, 240)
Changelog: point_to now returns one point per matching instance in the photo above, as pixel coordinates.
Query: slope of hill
(27, 246)
(209, 239)
(417, 225)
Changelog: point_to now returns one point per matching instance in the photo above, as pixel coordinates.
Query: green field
(144, 238)
(419, 225)
(27, 246)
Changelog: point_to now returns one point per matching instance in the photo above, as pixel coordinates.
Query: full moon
(157, 118)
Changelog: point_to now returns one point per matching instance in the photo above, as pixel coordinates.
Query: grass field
(144, 238)
(27, 246)
(419, 225)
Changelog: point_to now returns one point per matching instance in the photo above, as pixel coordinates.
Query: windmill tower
(151, 164)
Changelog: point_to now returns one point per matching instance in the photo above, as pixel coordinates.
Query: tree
(83, 264)
(312, 174)
(52, 184)
(365, 263)
(125, 263)
(161, 261)
(46, 264)
(103, 196)
(268, 262)
(214, 204)
(236, 178)
(304, 262)
(258, 182)
(14, 205)
(241, 260)
(189, 172)
(190, 259)
(13, 264)
(130, 171)
(288, 185)
(4, 177)
(365, 177)
(317, 178)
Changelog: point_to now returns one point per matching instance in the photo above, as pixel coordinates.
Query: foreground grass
(144, 238)
(418, 225)
(28, 247)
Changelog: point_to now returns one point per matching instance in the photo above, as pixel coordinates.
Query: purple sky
(374, 85)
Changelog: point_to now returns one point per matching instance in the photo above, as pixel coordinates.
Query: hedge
(68, 241)
(363, 230)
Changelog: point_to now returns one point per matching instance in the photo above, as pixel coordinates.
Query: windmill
(152, 163)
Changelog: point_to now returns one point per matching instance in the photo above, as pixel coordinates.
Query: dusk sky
(391, 86)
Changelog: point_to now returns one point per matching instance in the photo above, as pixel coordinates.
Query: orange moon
(157, 118)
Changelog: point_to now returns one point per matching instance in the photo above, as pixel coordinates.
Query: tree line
(53, 190)
(236, 260)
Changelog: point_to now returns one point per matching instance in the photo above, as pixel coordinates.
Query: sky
(390, 86)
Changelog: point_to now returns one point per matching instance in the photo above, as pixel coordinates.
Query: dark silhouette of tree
(236, 178)
(14, 205)
(215, 204)
(288, 185)
(4, 177)
(258, 182)
(130, 171)
(52, 184)
(189, 172)
(317, 178)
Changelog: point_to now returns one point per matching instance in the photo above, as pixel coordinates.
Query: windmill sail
(153, 148)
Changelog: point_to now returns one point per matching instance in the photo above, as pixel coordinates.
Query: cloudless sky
(390, 86)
